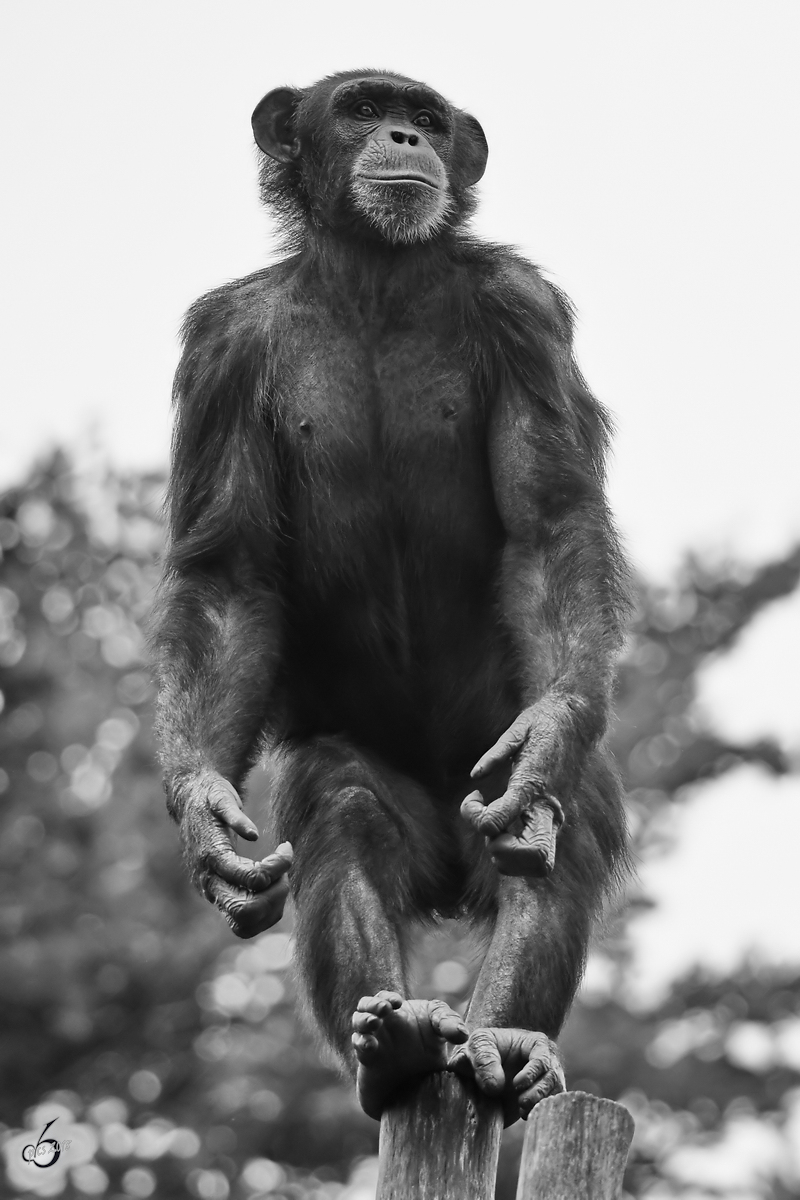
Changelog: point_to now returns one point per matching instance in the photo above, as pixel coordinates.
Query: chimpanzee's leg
(369, 853)
(538, 948)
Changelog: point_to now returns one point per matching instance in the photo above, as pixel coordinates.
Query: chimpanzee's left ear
(273, 124)
(470, 150)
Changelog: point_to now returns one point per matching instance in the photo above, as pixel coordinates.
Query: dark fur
(339, 584)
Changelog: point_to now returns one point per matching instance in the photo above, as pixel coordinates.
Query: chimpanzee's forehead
(386, 88)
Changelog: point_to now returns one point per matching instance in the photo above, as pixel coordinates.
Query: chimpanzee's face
(401, 137)
(378, 152)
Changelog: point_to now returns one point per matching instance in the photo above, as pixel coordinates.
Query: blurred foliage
(169, 1055)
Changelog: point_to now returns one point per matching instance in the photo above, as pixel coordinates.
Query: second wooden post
(576, 1147)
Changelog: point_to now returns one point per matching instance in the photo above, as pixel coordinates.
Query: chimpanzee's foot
(397, 1039)
(516, 1065)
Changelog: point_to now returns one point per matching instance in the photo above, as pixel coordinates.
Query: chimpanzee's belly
(392, 558)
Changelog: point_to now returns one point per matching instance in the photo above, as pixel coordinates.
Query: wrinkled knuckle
(483, 1048)
(220, 852)
(530, 791)
(233, 905)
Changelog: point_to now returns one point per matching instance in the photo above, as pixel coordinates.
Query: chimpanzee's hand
(252, 895)
(521, 826)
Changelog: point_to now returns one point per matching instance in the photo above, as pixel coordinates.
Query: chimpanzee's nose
(399, 136)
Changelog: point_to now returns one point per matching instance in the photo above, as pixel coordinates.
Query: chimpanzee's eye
(424, 120)
(365, 109)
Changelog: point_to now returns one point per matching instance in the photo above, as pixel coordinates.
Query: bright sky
(730, 888)
(645, 154)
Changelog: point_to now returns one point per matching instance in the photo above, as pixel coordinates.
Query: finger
(531, 1073)
(532, 850)
(459, 1063)
(393, 998)
(243, 872)
(486, 1063)
(362, 1042)
(511, 741)
(261, 912)
(225, 803)
(248, 914)
(472, 810)
(255, 876)
(381, 1004)
(365, 1022)
(240, 823)
(497, 816)
(447, 1023)
(549, 1085)
(279, 862)
(514, 856)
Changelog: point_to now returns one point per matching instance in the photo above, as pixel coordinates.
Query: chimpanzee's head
(370, 153)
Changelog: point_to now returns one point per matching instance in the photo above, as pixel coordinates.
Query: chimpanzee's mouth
(405, 178)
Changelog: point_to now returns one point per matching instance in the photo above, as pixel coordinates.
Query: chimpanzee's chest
(382, 431)
(377, 401)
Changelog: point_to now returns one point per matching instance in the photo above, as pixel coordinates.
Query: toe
(484, 1055)
(550, 1084)
(539, 1061)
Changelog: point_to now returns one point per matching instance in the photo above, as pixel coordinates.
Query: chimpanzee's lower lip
(401, 179)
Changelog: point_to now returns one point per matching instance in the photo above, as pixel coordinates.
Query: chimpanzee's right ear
(273, 124)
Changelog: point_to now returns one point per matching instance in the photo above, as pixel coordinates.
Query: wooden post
(576, 1146)
(440, 1142)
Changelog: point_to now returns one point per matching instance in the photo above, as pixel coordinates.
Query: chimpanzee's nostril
(397, 136)
(413, 139)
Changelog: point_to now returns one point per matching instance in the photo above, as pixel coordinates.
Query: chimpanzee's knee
(341, 808)
(338, 811)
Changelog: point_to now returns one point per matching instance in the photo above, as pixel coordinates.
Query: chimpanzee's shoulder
(243, 306)
(510, 282)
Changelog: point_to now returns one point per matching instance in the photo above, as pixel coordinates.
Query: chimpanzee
(392, 570)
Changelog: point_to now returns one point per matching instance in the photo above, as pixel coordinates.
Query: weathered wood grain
(576, 1146)
(440, 1142)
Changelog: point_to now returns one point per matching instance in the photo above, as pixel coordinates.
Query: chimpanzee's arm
(563, 598)
(217, 630)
